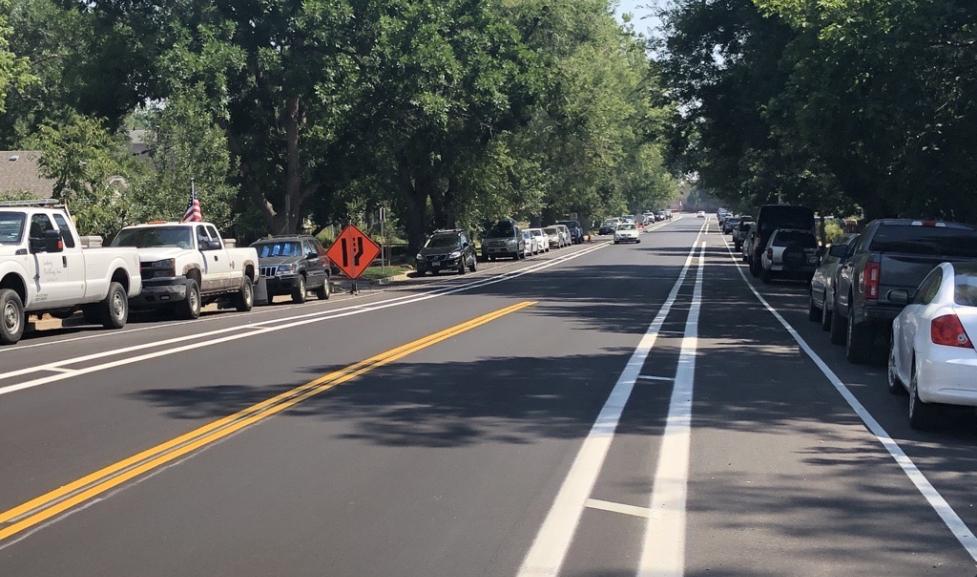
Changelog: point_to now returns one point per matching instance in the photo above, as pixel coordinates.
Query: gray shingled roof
(19, 172)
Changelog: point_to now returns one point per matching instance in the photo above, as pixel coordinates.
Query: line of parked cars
(506, 239)
(903, 292)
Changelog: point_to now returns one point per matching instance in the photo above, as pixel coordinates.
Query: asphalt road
(599, 411)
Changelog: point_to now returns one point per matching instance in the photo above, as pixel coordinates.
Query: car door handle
(215, 258)
(64, 261)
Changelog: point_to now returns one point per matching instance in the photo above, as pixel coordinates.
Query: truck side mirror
(50, 241)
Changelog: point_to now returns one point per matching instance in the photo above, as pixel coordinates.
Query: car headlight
(164, 264)
(511, 242)
(455, 254)
(287, 268)
(419, 256)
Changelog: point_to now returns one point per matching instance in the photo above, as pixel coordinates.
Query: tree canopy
(296, 113)
(842, 105)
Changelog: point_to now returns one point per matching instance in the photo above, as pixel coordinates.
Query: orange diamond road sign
(353, 252)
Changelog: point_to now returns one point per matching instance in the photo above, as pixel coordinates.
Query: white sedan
(932, 356)
(626, 232)
(532, 246)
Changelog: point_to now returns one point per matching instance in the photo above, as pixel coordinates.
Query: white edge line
(315, 317)
(655, 378)
(953, 522)
(549, 548)
(663, 547)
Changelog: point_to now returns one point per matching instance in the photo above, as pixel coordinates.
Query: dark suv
(447, 250)
(293, 265)
(770, 218)
(576, 231)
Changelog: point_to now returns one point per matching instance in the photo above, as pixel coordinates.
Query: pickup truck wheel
(11, 317)
(858, 344)
(813, 312)
(298, 291)
(189, 308)
(244, 299)
(114, 310)
(322, 293)
(825, 314)
(839, 326)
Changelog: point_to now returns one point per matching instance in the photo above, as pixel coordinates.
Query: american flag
(192, 213)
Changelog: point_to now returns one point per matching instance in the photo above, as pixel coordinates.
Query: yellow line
(54, 502)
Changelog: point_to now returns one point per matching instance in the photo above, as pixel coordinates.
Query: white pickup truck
(186, 265)
(44, 269)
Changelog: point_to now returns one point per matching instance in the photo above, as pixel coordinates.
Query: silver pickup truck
(44, 269)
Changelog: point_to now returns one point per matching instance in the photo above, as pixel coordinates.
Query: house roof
(19, 173)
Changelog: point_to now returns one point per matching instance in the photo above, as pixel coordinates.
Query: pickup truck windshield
(11, 227)
(926, 240)
(276, 249)
(178, 236)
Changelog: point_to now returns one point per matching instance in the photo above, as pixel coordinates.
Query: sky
(644, 18)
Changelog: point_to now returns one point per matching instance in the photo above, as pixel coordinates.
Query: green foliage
(14, 69)
(832, 230)
(845, 105)
(91, 171)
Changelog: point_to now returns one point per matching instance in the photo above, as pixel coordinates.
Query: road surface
(599, 411)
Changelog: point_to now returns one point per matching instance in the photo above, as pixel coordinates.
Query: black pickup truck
(891, 254)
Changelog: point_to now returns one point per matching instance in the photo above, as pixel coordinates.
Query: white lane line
(296, 321)
(549, 548)
(621, 508)
(953, 522)
(655, 378)
(60, 370)
(663, 550)
(326, 314)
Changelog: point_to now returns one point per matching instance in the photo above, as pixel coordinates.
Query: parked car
(892, 254)
(542, 240)
(730, 224)
(700, 214)
(554, 236)
(661, 216)
(565, 237)
(576, 231)
(932, 355)
(293, 265)
(771, 217)
(668, 213)
(608, 226)
(790, 253)
(626, 233)
(186, 266)
(532, 247)
(447, 250)
(741, 231)
(748, 241)
(825, 279)
(503, 239)
(44, 269)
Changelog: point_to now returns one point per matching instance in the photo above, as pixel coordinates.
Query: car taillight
(949, 332)
(770, 253)
(871, 275)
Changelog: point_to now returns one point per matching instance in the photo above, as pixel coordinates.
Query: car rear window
(798, 238)
(965, 288)
(925, 240)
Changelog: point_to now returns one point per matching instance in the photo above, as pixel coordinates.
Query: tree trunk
(415, 203)
(292, 210)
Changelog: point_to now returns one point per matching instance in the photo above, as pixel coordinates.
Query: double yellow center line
(53, 503)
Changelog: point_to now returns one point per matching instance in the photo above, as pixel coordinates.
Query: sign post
(352, 252)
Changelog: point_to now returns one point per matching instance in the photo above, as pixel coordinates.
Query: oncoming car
(626, 233)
